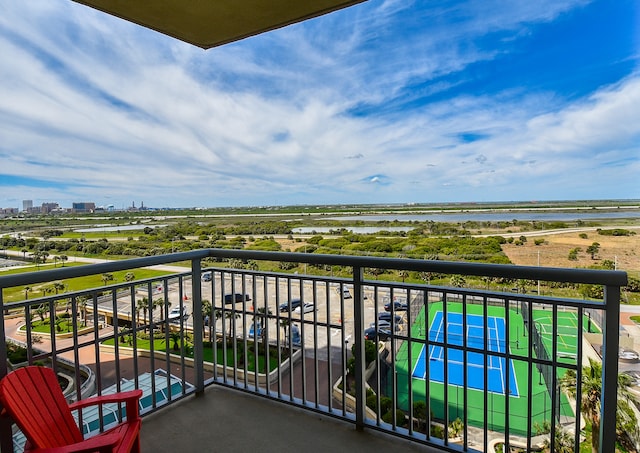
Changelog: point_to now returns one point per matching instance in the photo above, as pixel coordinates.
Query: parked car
(234, 298)
(307, 307)
(386, 316)
(397, 306)
(255, 330)
(291, 305)
(377, 335)
(346, 293)
(206, 277)
(175, 312)
(386, 325)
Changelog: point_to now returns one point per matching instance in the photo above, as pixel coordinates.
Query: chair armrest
(105, 399)
(130, 398)
(104, 443)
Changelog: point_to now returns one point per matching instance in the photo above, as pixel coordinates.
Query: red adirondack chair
(34, 400)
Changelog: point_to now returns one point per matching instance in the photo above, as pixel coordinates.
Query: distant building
(48, 208)
(83, 207)
(27, 205)
(4, 212)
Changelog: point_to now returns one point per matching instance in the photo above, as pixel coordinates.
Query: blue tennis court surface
(496, 342)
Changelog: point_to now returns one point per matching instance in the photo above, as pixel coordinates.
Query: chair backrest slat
(33, 398)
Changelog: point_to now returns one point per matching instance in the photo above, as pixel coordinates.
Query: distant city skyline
(383, 102)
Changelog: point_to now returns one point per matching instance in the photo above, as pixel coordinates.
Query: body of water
(503, 216)
(473, 216)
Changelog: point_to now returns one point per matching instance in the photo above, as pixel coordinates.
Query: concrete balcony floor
(227, 420)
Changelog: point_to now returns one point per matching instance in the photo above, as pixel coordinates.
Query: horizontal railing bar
(592, 276)
(598, 277)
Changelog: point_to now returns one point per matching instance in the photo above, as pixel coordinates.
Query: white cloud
(115, 111)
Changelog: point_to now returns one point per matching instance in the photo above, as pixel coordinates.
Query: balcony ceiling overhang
(210, 23)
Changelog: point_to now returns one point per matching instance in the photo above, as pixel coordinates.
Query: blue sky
(383, 102)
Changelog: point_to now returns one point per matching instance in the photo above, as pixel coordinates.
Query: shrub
(401, 419)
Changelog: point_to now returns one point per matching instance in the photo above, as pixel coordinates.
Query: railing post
(610, 345)
(198, 347)
(358, 333)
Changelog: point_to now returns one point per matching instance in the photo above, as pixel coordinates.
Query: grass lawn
(17, 293)
(64, 325)
(208, 354)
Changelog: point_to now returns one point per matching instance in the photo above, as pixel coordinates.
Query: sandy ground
(622, 250)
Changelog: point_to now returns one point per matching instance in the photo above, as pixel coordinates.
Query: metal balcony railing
(449, 367)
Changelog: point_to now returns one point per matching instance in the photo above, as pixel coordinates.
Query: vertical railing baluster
(610, 345)
(358, 333)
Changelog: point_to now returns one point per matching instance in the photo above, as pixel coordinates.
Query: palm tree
(83, 301)
(284, 323)
(375, 271)
(58, 286)
(175, 337)
(158, 303)
(37, 258)
(217, 314)
(142, 305)
(403, 274)
(260, 319)
(626, 423)
(231, 315)
(206, 314)
(27, 290)
(42, 311)
(63, 258)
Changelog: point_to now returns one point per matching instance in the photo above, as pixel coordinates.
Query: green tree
(589, 400)
(106, 278)
(573, 254)
(129, 277)
(63, 258)
(593, 250)
(458, 281)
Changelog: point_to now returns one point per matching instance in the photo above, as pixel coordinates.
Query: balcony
(237, 366)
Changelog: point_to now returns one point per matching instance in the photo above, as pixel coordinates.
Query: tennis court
(420, 367)
(497, 370)
(565, 335)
